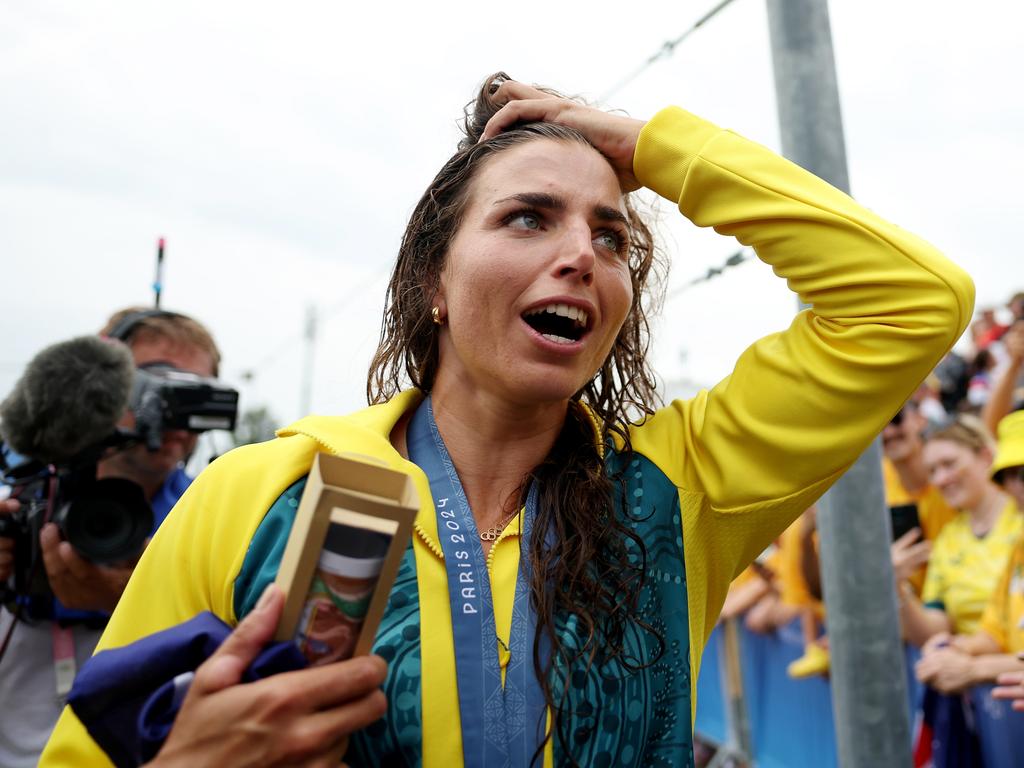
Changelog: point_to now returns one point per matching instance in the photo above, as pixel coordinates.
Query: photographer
(38, 659)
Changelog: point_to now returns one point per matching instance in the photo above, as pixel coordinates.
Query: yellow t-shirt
(1003, 619)
(793, 587)
(932, 511)
(964, 568)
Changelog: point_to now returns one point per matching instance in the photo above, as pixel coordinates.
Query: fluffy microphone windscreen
(70, 396)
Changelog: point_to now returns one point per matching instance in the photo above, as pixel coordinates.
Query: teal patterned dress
(634, 714)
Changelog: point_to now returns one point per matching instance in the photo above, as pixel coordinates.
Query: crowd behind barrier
(790, 722)
(955, 492)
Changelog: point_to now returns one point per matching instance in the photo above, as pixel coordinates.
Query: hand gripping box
(351, 529)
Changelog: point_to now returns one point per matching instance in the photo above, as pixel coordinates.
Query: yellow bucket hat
(1010, 448)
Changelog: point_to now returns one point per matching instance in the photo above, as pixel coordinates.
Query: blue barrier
(790, 721)
(1000, 729)
(712, 713)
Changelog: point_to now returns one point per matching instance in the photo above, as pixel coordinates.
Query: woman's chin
(547, 389)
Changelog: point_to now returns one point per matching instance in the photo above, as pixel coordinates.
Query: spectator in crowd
(986, 329)
(1016, 306)
(907, 485)
(85, 592)
(756, 585)
(1009, 461)
(953, 375)
(1007, 391)
(928, 399)
(952, 663)
(971, 551)
(979, 382)
(802, 590)
(765, 593)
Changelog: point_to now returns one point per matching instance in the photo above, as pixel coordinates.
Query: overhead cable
(666, 50)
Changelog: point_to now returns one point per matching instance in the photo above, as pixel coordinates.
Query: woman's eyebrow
(537, 200)
(607, 213)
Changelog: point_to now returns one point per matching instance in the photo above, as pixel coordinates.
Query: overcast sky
(280, 147)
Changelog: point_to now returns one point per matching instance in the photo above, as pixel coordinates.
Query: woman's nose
(577, 255)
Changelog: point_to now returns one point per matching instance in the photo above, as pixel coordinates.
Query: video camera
(59, 422)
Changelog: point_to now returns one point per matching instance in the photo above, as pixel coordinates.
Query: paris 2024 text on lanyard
(513, 715)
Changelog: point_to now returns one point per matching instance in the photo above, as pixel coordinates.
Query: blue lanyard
(513, 716)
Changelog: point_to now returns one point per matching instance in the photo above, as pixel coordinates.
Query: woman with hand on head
(970, 553)
(606, 529)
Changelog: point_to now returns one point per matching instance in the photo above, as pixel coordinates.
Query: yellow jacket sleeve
(752, 453)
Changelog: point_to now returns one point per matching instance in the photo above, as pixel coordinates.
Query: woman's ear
(439, 308)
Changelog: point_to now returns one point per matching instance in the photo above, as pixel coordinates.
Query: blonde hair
(966, 430)
(172, 326)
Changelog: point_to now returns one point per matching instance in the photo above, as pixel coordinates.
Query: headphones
(127, 325)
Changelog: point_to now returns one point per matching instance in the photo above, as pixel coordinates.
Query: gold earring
(435, 313)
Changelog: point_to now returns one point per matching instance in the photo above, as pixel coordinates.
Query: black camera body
(165, 398)
(105, 520)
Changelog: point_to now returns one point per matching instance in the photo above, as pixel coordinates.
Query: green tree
(254, 426)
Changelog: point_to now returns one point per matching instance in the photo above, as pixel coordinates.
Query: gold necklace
(492, 533)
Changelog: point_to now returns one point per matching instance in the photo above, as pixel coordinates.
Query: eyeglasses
(901, 413)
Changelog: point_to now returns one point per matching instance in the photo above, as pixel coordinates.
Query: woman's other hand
(614, 136)
(299, 718)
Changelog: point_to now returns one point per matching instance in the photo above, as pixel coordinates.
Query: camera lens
(108, 523)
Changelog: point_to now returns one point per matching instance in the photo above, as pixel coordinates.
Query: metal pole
(868, 678)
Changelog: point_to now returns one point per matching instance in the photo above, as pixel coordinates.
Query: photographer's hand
(7, 507)
(300, 718)
(76, 582)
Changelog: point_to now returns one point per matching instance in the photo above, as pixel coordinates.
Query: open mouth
(559, 323)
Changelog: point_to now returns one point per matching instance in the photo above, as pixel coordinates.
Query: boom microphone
(70, 396)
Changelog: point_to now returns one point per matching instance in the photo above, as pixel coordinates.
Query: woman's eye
(610, 240)
(524, 220)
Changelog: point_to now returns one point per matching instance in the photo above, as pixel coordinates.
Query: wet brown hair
(592, 567)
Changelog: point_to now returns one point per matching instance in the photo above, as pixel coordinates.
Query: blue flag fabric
(127, 698)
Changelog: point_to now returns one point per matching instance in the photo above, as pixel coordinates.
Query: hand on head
(614, 136)
(298, 718)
